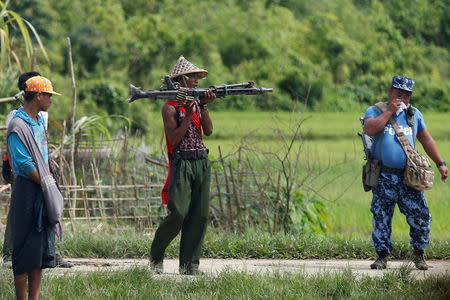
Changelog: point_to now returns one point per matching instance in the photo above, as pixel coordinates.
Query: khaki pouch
(371, 174)
(418, 172)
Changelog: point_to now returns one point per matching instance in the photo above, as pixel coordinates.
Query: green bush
(336, 55)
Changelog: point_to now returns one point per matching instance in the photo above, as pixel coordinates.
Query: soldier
(391, 187)
(187, 188)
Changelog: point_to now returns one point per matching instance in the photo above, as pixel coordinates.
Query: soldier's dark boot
(381, 262)
(419, 260)
(190, 269)
(157, 266)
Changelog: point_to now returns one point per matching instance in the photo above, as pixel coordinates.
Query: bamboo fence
(110, 181)
(119, 185)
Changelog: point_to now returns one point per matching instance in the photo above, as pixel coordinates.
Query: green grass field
(330, 138)
(140, 283)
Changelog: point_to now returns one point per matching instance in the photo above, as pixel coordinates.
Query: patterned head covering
(183, 67)
(403, 83)
(40, 84)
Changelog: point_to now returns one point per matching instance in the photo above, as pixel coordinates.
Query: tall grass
(140, 283)
(252, 244)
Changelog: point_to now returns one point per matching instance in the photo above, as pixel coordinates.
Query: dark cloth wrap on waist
(33, 236)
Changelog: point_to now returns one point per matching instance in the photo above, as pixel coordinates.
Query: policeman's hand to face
(396, 98)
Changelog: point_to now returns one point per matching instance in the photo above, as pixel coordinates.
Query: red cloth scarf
(195, 118)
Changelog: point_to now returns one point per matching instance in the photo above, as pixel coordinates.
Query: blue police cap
(403, 83)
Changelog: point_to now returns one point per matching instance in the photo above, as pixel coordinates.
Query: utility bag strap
(383, 107)
(418, 173)
(402, 138)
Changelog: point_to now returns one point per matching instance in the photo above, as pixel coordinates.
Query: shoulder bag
(418, 172)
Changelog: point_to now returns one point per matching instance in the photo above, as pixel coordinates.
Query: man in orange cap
(33, 236)
(187, 188)
(9, 177)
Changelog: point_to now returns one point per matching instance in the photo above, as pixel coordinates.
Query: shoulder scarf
(52, 195)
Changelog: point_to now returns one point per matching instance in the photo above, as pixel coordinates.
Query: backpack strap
(410, 112)
(402, 138)
(381, 106)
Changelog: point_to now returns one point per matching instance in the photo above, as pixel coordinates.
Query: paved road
(214, 266)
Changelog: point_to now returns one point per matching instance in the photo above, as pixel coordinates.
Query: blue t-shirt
(22, 161)
(393, 154)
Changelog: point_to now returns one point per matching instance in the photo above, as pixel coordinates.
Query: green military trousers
(188, 211)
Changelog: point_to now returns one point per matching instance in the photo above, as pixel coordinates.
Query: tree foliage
(331, 55)
(11, 23)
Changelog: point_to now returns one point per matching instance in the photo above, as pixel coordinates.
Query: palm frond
(7, 19)
(3, 7)
(38, 39)
(3, 42)
(93, 125)
(23, 29)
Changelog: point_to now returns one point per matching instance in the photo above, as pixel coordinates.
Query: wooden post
(67, 194)
(113, 195)
(74, 106)
(227, 188)
(219, 225)
(7, 99)
(239, 167)
(99, 191)
(277, 205)
(85, 202)
(237, 199)
(61, 149)
(124, 157)
(219, 197)
(138, 202)
(148, 196)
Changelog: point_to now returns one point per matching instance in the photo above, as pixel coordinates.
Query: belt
(191, 155)
(385, 169)
(178, 156)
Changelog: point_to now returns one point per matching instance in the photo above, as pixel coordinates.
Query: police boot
(381, 262)
(419, 260)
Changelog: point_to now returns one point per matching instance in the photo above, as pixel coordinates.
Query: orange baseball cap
(40, 84)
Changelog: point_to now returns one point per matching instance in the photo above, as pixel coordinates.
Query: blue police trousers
(392, 190)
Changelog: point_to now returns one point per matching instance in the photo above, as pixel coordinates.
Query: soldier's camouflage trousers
(392, 190)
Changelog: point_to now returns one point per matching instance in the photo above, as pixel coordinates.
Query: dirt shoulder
(214, 266)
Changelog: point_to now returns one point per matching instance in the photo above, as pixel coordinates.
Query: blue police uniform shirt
(393, 154)
(22, 162)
